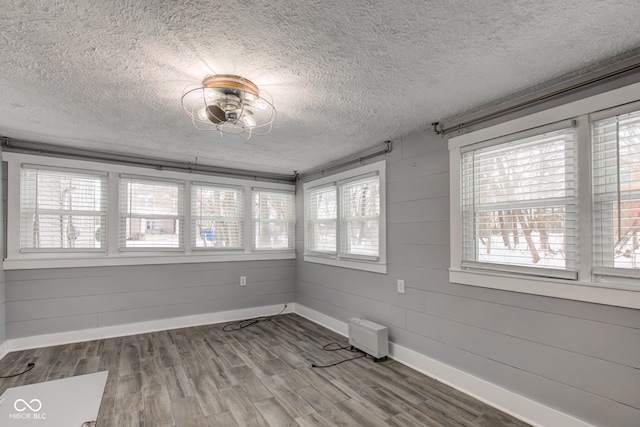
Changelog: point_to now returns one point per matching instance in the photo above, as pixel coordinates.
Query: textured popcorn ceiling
(344, 75)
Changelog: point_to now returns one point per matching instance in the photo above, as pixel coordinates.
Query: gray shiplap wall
(582, 359)
(62, 300)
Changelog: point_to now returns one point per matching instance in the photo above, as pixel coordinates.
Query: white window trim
(16, 260)
(379, 266)
(255, 221)
(588, 287)
(101, 250)
(192, 216)
(183, 187)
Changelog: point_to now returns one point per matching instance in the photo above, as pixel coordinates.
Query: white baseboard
(60, 338)
(518, 406)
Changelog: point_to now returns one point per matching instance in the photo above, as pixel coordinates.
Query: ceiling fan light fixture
(229, 104)
(249, 121)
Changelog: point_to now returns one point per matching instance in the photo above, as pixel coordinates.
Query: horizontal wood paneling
(607, 379)
(414, 211)
(575, 402)
(61, 300)
(587, 337)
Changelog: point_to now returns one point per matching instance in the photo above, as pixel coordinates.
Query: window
(360, 217)
(62, 210)
(217, 217)
(77, 213)
(273, 220)
(151, 213)
(322, 219)
(616, 193)
(519, 205)
(344, 219)
(549, 203)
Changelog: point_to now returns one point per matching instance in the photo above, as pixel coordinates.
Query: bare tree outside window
(217, 216)
(273, 220)
(519, 200)
(62, 210)
(616, 175)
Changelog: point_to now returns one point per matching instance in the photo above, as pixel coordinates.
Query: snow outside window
(616, 194)
(519, 206)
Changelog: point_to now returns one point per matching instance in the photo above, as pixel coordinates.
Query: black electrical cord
(236, 326)
(349, 348)
(337, 363)
(29, 367)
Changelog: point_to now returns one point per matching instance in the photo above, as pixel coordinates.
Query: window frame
(339, 258)
(241, 220)
(589, 285)
(125, 215)
(311, 221)
(568, 201)
(256, 220)
(16, 260)
(70, 212)
(624, 275)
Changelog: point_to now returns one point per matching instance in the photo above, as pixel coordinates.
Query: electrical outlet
(400, 286)
(243, 280)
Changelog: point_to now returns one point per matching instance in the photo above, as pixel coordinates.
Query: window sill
(356, 265)
(557, 288)
(142, 259)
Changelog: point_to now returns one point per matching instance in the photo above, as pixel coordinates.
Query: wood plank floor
(257, 376)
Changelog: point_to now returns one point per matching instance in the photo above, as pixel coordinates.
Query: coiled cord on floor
(241, 324)
(349, 348)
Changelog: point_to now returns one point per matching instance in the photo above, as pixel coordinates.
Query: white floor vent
(369, 337)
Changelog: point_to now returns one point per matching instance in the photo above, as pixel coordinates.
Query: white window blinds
(360, 217)
(519, 203)
(217, 217)
(616, 192)
(273, 220)
(321, 220)
(62, 210)
(151, 213)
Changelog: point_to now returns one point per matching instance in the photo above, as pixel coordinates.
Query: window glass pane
(151, 213)
(273, 214)
(360, 211)
(519, 203)
(217, 216)
(63, 210)
(152, 233)
(616, 187)
(321, 220)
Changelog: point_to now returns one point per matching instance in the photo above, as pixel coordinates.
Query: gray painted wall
(580, 358)
(61, 300)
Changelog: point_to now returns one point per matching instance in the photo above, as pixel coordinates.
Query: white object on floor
(65, 402)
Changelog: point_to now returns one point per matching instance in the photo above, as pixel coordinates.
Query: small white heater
(369, 337)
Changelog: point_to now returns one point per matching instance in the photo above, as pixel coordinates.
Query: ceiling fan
(229, 104)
